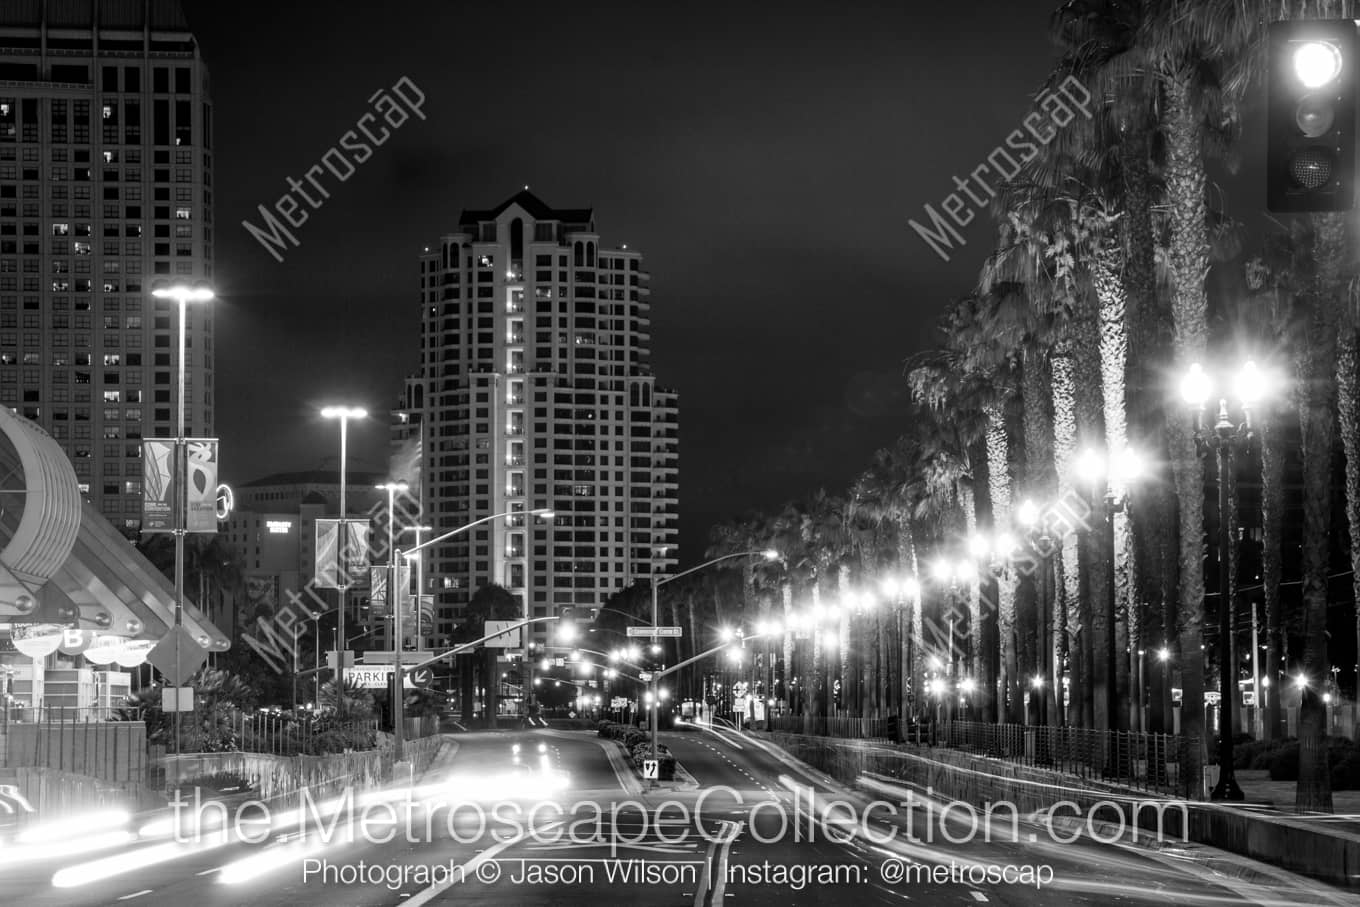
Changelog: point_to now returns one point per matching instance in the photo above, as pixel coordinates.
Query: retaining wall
(275, 777)
(1296, 844)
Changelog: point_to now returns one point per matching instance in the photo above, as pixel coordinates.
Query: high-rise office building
(536, 391)
(105, 195)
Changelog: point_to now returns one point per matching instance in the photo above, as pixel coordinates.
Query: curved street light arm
(407, 552)
(709, 563)
(402, 670)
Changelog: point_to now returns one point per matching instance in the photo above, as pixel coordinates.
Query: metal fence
(82, 741)
(282, 735)
(1144, 761)
(421, 726)
(1149, 762)
(884, 730)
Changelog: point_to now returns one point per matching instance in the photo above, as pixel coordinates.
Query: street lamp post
(182, 295)
(1228, 437)
(768, 553)
(395, 599)
(344, 414)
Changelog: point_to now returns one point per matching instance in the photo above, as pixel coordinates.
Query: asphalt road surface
(558, 817)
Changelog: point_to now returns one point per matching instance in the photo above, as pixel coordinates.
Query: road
(564, 820)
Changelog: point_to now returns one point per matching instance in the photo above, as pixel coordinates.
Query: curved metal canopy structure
(61, 562)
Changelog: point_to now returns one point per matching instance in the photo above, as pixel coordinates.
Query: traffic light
(1310, 143)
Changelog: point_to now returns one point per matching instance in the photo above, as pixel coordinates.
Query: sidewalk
(1258, 787)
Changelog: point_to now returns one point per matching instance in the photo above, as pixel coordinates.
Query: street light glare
(911, 587)
(1251, 384)
(770, 554)
(393, 486)
(180, 292)
(1130, 464)
(1091, 465)
(344, 412)
(941, 570)
(1028, 513)
(1317, 63)
(977, 544)
(1195, 386)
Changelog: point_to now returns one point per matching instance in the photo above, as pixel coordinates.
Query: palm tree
(958, 400)
(1348, 417)
(1316, 389)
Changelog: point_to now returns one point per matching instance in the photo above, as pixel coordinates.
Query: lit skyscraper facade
(105, 195)
(536, 391)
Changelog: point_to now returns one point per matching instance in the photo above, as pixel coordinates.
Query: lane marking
(429, 894)
(135, 894)
(979, 896)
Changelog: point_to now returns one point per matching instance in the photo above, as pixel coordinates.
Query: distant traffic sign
(387, 657)
(177, 667)
(422, 677)
(645, 676)
(654, 631)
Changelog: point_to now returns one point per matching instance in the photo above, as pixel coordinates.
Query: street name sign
(655, 631)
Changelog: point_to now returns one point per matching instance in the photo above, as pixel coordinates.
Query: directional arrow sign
(191, 656)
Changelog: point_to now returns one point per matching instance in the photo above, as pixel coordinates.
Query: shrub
(1248, 753)
(1343, 761)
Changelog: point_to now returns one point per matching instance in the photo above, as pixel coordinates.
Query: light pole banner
(378, 601)
(201, 496)
(426, 615)
(349, 564)
(158, 485)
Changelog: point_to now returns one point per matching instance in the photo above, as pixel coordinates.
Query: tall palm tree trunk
(1185, 180)
(1007, 696)
(1035, 391)
(1316, 388)
(1348, 415)
(1072, 635)
(1114, 353)
(1272, 552)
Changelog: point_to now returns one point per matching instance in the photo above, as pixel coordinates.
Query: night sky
(765, 161)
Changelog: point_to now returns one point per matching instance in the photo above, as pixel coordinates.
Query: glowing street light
(344, 414)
